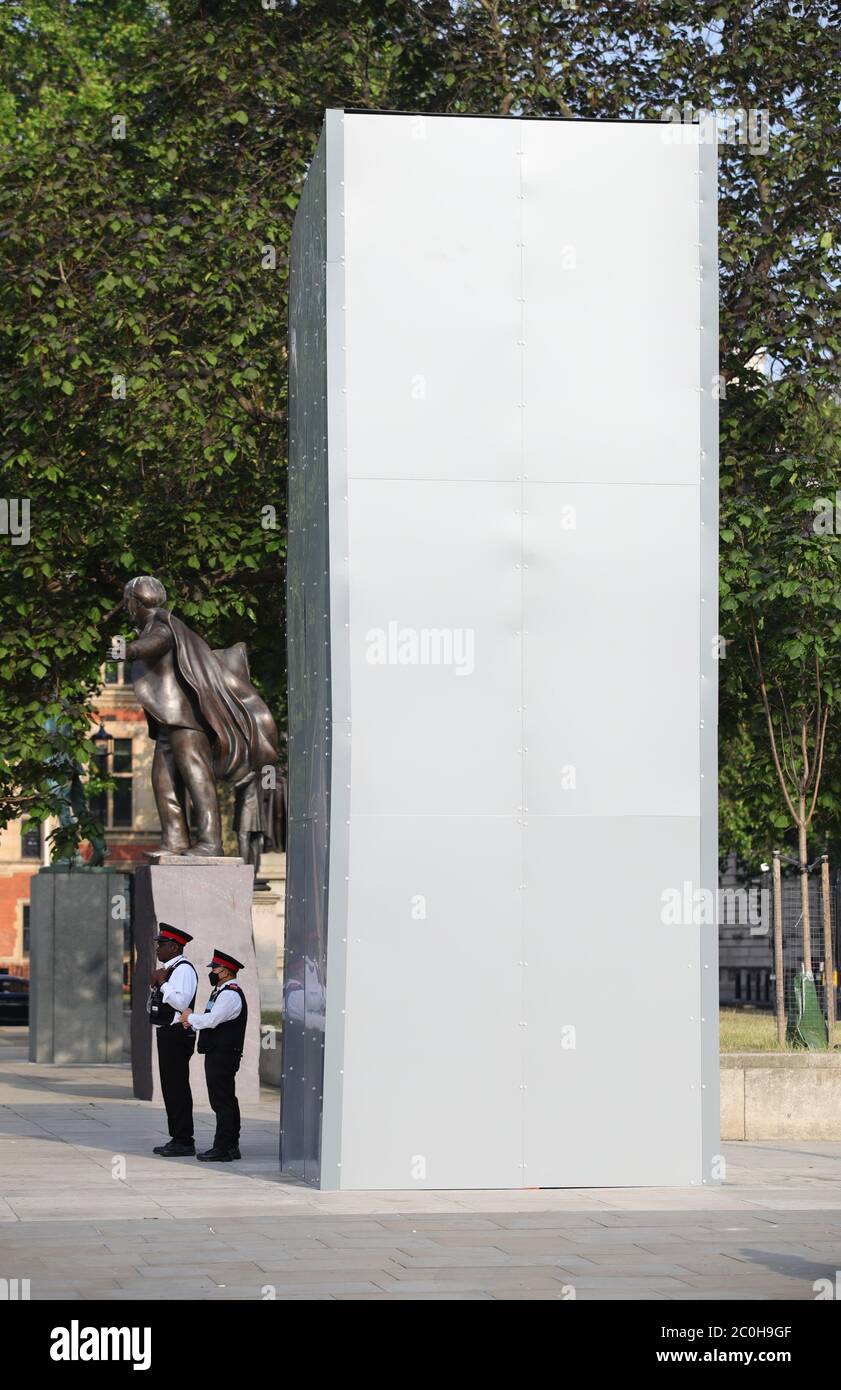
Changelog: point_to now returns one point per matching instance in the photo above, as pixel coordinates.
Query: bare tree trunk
(799, 774)
(779, 975)
(828, 954)
(804, 886)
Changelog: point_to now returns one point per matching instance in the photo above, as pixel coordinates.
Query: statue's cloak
(242, 730)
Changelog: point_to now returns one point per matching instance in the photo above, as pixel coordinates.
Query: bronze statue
(207, 720)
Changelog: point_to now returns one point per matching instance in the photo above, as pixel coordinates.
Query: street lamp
(101, 739)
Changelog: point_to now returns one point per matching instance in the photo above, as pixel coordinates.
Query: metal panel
(612, 1066)
(433, 278)
(611, 302)
(713, 1168)
(612, 605)
(432, 1085)
(611, 655)
(309, 677)
(435, 643)
(334, 970)
(301, 1065)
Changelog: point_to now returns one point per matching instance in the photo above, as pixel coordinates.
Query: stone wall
(781, 1095)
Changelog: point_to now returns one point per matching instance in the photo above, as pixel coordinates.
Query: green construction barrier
(806, 1023)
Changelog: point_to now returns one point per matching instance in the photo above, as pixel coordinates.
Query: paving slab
(180, 1230)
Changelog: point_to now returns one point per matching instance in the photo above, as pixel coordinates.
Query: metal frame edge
(339, 637)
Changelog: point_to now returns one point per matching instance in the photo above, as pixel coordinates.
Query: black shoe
(215, 1156)
(234, 1152)
(173, 1150)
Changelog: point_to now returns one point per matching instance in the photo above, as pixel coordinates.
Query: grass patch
(750, 1030)
(747, 1030)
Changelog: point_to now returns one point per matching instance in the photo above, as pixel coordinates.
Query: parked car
(14, 999)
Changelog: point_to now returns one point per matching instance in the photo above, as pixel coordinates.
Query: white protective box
(502, 653)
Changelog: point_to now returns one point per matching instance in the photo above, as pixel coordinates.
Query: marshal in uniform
(174, 986)
(221, 1030)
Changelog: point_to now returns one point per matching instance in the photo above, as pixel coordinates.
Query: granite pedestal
(211, 901)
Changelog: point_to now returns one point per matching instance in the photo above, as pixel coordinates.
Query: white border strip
(708, 254)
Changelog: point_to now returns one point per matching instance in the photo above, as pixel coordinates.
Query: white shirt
(181, 985)
(226, 1005)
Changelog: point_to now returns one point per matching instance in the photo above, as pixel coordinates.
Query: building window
(121, 797)
(26, 929)
(115, 673)
(30, 840)
(99, 803)
(115, 808)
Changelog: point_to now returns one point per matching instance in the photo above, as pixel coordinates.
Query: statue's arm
(151, 646)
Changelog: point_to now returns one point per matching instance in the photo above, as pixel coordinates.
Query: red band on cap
(227, 961)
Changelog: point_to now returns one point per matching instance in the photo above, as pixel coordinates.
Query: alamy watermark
(394, 645)
(14, 1290)
(689, 906)
(827, 518)
(79, 1342)
(730, 126)
(14, 519)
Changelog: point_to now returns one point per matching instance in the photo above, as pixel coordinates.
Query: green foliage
(143, 324)
(153, 161)
(781, 601)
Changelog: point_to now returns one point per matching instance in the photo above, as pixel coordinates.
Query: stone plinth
(191, 860)
(213, 903)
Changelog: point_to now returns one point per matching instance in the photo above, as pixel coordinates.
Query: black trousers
(175, 1048)
(220, 1069)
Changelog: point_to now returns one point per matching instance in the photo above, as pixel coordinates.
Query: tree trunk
(804, 886)
(779, 969)
(828, 954)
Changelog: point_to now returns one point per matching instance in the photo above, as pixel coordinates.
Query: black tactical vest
(228, 1036)
(158, 1010)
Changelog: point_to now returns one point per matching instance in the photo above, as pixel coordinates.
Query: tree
(770, 69)
(154, 156)
(152, 171)
(778, 216)
(779, 584)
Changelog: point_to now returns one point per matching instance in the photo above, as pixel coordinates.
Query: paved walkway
(88, 1212)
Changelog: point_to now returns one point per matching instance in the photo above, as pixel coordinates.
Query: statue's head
(142, 595)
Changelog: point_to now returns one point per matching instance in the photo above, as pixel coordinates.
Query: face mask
(213, 978)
